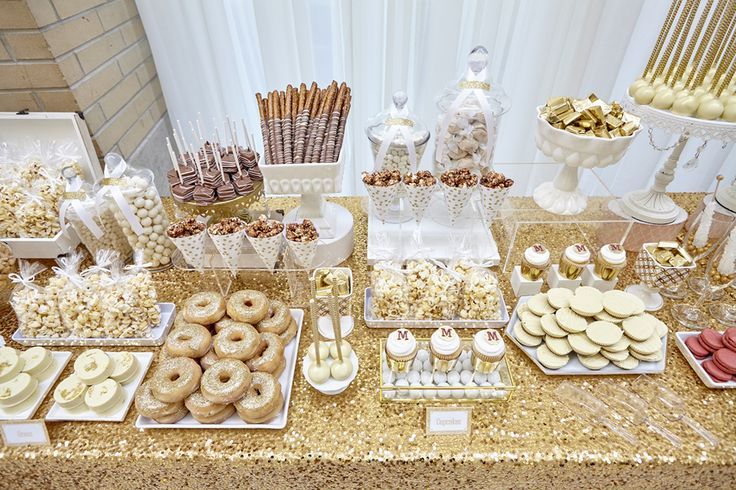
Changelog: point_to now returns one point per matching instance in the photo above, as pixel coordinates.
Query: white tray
(574, 368)
(44, 248)
(57, 412)
(459, 323)
(158, 335)
(25, 410)
(697, 364)
(235, 422)
(331, 386)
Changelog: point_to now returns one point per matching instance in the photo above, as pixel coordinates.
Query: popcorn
(480, 296)
(433, 292)
(390, 293)
(35, 306)
(383, 178)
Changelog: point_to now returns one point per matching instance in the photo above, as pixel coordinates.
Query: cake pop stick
(218, 160)
(690, 16)
(178, 144)
(664, 62)
(685, 61)
(184, 142)
(723, 26)
(199, 128)
(236, 155)
(173, 160)
(199, 167)
(335, 317)
(315, 330)
(704, 42)
(663, 33)
(248, 136)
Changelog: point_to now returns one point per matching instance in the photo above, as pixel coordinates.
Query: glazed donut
(263, 400)
(247, 306)
(226, 381)
(222, 323)
(176, 379)
(277, 320)
(280, 368)
(190, 340)
(200, 406)
(216, 418)
(179, 320)
(208, 359)
(204, 308)
(149, 406)
(289, 333)
(237, 341)
(173, 418)
(269, 358)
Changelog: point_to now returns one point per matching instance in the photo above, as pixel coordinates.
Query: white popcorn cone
(192, 248)
(229, 247)
(492, 200)
(267, 248)
(382, 198)
(304, 252)
(456, 199)
(419, 198)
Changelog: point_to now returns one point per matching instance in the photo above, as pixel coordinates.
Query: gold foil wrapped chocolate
(589, 117)
(326, 278)
(670, 254)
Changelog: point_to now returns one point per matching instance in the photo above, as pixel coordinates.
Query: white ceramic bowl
(303, 178)
(579, 151)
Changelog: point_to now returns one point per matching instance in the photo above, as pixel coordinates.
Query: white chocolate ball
(346, 349)
(729, 113)
(324, 351)
(319, 373)
(663, 98)
(636, 86)
(644, 95)
(682, 93)
(685, 106)
(343, 370)
(710, 109)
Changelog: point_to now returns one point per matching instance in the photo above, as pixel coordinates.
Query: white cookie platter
(574, 367)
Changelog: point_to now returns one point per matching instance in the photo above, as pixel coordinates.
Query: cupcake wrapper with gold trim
(401, 364)
(485, 364)
(192, 248)
(444, 362)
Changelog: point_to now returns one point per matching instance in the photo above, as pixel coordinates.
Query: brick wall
(81, 55)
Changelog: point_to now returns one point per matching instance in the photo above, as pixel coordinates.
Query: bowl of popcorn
(579, 133)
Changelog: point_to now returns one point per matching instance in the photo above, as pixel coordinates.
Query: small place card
(448, 420)
(24, 433)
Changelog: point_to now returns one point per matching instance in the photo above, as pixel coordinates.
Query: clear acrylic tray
(372, 322)
(157, 336)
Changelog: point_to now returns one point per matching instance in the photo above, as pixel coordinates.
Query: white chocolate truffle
(644, 95)
(663, 98)
(444, 394)
(416, 393)
(729, 114)
(439, 377)
(413, 377)
(69, 393)
(710, 109)
(637, 85)
(453, 377)
(17, 390)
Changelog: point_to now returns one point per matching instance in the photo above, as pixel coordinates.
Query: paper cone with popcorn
(419, 189)
(458, 186)
(189, 236)
(383, 187)
(265, 235)
(302, 241)
(228, 236)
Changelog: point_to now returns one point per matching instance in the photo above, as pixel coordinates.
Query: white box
(523, 286)
(22, 128)
(590, 278)
(556, 280)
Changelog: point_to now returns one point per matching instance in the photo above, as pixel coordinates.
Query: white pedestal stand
(590, 278)
(654, 205)
(557, 280)
(653, 301)
(523, 286)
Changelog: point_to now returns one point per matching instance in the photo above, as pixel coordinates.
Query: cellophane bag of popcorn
(36, 306)
(390, 292)
(480, 295)
(434, 290)
(141, 282)
(98, 280)
(121, 317)
(37, 216)
(72, 291)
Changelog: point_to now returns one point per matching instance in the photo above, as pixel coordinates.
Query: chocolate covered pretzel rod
(343, 121)
(287, 124)
(322, 127)
(262, 111)
(329, 155)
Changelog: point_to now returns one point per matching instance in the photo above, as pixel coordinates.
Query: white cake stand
(653, 205)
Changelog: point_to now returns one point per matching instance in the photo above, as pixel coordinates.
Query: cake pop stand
(334, 223)
(562, 196)
(653, 205)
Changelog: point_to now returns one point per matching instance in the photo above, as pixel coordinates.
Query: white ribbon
(75, 203)
(115, 167)
(27, 273)
(464, 94)
(393, 131)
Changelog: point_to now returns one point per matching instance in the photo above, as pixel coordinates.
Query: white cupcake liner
(419, 197)
(492, 200)
(456, 198)
(267, 248)
(192, 249)
(304, 252)
(229, 247)
(382, 197)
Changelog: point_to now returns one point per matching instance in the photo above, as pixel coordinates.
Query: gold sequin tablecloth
(352, 440)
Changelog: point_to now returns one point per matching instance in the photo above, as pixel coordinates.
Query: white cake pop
(342, 370)
(319, 373)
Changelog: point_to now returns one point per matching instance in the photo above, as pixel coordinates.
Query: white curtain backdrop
(213, 55)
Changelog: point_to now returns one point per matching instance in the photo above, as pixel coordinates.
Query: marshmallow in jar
(468, 120)
(145, 206)
(393, 133)
(611, 260)
(573, 261)
(535, 262)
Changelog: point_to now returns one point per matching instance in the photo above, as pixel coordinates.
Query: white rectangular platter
(83, 413)
(25, 410)
(235, 422)
(697, 364)
(157, 337)
(459, 323)
(574, 368)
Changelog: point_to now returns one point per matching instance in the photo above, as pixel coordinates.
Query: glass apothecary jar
(469, 112)
(398, 138)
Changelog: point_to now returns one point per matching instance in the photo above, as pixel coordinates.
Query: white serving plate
(57, 412)
(235, 422)
(158, 335)
(574, 368)
(697, 364)
(376, 323)
(331, 386)
(26, 409)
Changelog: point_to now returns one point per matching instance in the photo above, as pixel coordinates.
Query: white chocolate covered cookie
(36, 361)
(103, 397)
(92, 366)
(17, 390)
(549, 359)
(604, 333)
(69, 393)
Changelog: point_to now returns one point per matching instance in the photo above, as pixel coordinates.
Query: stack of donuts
(222, 356)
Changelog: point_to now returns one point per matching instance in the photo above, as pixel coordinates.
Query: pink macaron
(711, 339)
(729, 338)
(716, 373)
(694, 346)
(726, 360)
